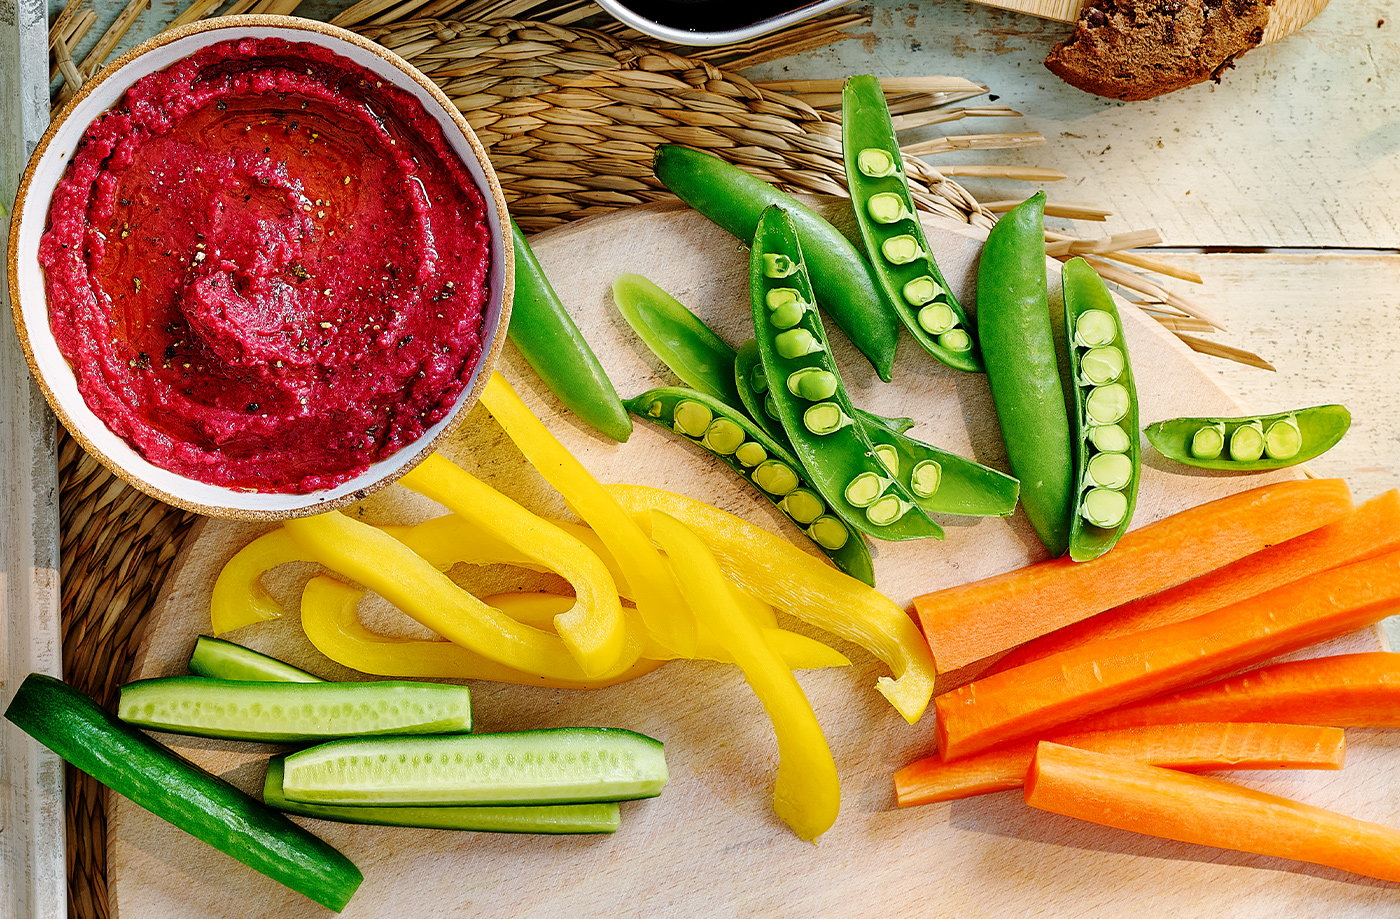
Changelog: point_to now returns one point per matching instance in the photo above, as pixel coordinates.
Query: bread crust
(1138, 49)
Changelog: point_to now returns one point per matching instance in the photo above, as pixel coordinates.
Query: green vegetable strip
(1106, 481)
(834, 449)
(553, 345)
(679, 338)
(1018, 347)
(796, 497)
(205, 806)
(884, 209)
(1289, 438)
(224, 660)
(598, 817)
(734, 200)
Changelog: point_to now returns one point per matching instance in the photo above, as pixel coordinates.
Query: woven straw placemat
(571, 117)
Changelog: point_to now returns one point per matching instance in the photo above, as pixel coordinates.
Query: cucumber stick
(548, 766)
(597, 817)
(207, 807)
(224, 660)
(281, 712)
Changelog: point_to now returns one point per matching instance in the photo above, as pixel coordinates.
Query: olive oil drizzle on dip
(267, 267)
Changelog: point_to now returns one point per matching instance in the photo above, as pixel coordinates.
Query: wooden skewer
(924, 119)
(891, 85)
(954, 142)
(1216, 349)
(1119, 241)
(1154, 264)
(1181, 324)
(114, 34)
(1019, 173)
(1054, 209)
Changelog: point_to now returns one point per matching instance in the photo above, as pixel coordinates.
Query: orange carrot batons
(1032, 699)
(1195, 747)
(1344, 690)
(1372, 529)
(968, 623)
(1112, 791)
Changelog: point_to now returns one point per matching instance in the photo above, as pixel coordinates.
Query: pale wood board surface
(32, 868)
(709, 846)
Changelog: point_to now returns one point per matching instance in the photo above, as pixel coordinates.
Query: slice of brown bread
(1137, 49)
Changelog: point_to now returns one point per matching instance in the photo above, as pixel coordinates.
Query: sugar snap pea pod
(811, 400)
(734, 199)
(1018, 348)
(555, 348)
(682, 341)
(1105, 402)
(894, 237)
(762, 462)
(752, 384)
(1285, 438)
(943, 482)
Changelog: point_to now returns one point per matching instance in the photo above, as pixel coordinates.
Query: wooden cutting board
(710, 845)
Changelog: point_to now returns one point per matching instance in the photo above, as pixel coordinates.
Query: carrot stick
(1112, 791)
(1344, 690)
(1193, 747)
(968, 623)
(1372, 529)
(1033, 698)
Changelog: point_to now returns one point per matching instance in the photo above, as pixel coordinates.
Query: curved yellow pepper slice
(593, 628)
(659, 601)
(239, 598)
(368, 556)
(807, 791)
(331, 622)
(779, 573)
(447, 540)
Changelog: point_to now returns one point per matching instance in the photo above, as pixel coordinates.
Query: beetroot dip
(267, 267)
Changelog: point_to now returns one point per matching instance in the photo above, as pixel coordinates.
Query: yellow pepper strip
(329, 618)
(807, 792)
(239, 598)
(593, 628)
(366, 555)
(447, 540)
(802, 585)
(660, 602)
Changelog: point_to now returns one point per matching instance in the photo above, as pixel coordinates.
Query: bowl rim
(408, 456)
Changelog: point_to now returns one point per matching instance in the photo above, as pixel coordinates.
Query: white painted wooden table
(1280, 187)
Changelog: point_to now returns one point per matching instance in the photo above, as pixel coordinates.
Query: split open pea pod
(809, 398)
(941, 482)
(894, 238)
(1107, 452)
(762, 462)
(1253, 443)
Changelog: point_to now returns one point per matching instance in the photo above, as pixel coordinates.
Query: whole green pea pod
(762, 462)
(1018, 348)
(555, 348)
(1253, 443)
(1107, 466)
(734, 200)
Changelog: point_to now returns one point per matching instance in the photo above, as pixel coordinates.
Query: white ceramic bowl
(27, 293)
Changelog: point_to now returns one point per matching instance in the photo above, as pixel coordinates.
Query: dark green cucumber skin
(552, 819)
(381, 746)
(224, 660)
(286, 693)
(203, 805)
